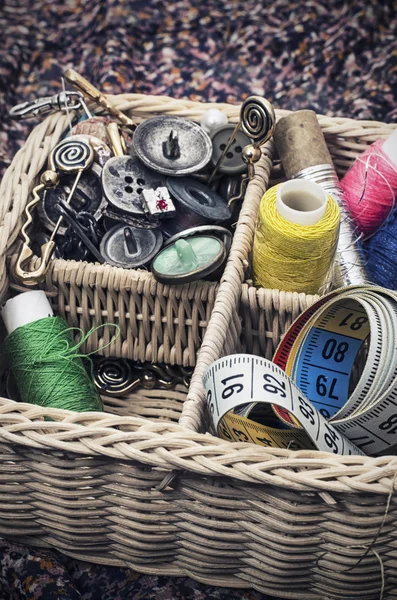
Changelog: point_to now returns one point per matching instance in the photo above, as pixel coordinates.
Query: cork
(300, 142)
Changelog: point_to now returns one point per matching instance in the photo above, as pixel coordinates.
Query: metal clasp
(63, 101)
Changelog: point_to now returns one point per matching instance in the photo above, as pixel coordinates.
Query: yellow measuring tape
(332, 384)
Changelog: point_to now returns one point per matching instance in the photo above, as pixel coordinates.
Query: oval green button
(188, 259)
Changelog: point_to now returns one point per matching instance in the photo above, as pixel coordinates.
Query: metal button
(172, 145)
(129, 247)
(233, 163)
(123, 180)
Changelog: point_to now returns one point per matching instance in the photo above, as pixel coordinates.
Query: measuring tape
(332, 385)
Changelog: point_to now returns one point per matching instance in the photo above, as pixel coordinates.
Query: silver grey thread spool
(304, 154)
(350, 268)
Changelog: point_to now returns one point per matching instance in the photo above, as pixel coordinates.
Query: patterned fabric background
(333, 56)
(336, 57)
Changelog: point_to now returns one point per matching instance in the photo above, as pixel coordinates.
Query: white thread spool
(25, 308)
(301, 202)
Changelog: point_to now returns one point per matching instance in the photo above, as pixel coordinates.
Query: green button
(188, 259)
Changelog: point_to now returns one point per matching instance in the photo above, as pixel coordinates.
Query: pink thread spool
(370, 185)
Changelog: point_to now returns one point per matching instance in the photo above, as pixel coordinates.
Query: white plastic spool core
(25, 308)
(301, 202)
(390, 146)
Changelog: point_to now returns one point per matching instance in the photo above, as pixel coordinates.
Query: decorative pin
(87, 197)
(66, 158)
(257, 120)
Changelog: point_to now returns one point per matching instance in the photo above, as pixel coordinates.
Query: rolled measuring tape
(332, 384)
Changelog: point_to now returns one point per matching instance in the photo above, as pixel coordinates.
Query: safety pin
(257, 120)
(70, 157)
(64, 101)
(93, 94)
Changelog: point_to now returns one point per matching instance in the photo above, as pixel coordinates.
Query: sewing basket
(144, 485)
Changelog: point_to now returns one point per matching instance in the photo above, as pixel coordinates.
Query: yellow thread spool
(290, 256)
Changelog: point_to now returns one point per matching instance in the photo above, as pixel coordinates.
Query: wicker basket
(136, 487)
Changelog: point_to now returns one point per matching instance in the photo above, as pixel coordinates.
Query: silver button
(123, 180)
(172, 145)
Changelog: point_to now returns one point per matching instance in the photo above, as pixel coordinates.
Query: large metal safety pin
(64, 101)
(68, 157)
(93, 94)
(257, 120)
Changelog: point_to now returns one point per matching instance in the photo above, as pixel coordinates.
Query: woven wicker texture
(134, 487)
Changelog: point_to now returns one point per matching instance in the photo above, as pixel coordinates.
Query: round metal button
(232, 163)
(129, 247)
(199, 198)
(123, 180)
(172, 145)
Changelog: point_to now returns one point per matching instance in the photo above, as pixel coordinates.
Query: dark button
(232, 163)
(129, 247)
(199, 198)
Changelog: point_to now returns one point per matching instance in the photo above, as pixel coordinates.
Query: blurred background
(332, 56)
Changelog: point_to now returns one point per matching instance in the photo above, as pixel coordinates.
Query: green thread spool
(44, 358)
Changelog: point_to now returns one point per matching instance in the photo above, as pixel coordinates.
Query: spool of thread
(381, 249)
(304, 154)
(296, 238)
(44, 358)
(370, 185)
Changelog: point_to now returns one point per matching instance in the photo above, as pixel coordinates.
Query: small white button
(212, 119)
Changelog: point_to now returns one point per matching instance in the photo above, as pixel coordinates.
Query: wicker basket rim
(168, 446)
